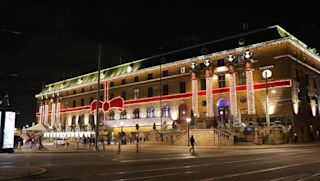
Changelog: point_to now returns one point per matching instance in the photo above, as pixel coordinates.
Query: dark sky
(45, 41)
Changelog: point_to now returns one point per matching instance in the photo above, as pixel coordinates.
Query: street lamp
(188, 121)
(266, 74)
(120, 137)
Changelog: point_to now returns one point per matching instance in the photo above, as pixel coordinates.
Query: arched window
(73, 123)
(123, 114)
(150, 112)
(166, 111)
(111, 115)
(136, 114)
(81, 120)
(183, 109)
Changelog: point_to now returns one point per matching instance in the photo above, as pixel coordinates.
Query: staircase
(203, 137)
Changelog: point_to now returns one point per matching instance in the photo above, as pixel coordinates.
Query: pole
(267, 112)
(120, 139)
(138, 142)
(188, 135)
(161, 111)
(97, 103)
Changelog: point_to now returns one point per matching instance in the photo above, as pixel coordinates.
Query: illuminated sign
(9, 122)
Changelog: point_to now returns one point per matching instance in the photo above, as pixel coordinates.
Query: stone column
(209, 96)
(250, 89)
(53, 113)
(194, 93)
(233, 95)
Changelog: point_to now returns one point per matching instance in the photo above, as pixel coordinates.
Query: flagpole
(97, 103)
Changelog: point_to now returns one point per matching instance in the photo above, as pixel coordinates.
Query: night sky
(46, 41)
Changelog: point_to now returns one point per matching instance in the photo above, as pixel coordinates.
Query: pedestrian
(84, 142)
(192, 142)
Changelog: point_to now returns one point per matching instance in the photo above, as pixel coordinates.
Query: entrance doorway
(223, 120)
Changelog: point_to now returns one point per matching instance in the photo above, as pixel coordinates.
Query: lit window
(150, 112)
(136, 114)
(222, 81)
(182, 70)
(183, 109)
(166, 111)
(136, 94)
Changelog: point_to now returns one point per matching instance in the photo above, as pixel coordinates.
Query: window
(220, 62)
(136, 79)
(111, 84)
(82, 90)
(150, 76)
(123, 81)
(123, 114)
(111, 96)
(203, 84)
(74, 91)
(242, 78)
(182, 87)
(82, 102)
(111, 115)
(314, 83)
(165, 89)
(91, 99)
(150, 91)
(101, 98)
(74, 104)
(150, 112)
(136, 93)
(123, 95)
(166, 111)
(182, 70)
(165, 73)
(222, 81)
(101, 86)
(307, 79)
(202, 66)
(183, 109)
(136, 114)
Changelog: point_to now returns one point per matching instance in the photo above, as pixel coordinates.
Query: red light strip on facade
(275, 84)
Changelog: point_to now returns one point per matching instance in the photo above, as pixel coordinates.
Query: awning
(141, 122)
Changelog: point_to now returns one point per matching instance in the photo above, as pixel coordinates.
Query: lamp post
(188, 121)
(120, 136)
(266, 74)
(98, 98)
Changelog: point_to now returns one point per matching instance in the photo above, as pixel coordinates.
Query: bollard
(19, 145)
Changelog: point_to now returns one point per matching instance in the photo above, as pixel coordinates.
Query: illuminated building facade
(220, 81)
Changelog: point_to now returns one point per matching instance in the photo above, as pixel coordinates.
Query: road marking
(281, 178)
(311, 176)
(253, 159)
(155, 176)
(257, 171)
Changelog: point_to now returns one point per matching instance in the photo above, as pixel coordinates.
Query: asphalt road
(272, 164)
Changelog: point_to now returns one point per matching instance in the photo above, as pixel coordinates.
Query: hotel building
(219, 83)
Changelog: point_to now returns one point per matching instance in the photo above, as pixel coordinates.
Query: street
(173, 163)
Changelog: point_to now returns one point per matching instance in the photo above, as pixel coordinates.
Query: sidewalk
(155, 148)
(19, 172)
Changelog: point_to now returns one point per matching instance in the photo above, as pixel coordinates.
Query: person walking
(192, 142)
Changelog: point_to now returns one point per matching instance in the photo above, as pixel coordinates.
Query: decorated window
(136, 114)
(183, 109)
(111, 115)
(123, 114)
(222, 81)
(166, 111)
(150, 112)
